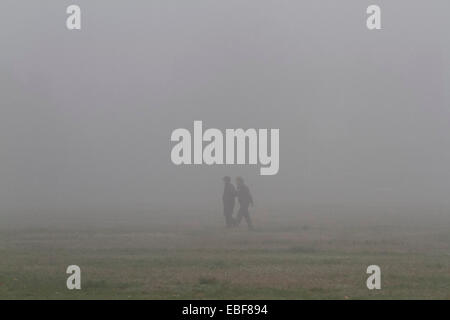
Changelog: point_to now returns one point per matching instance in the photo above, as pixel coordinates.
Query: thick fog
(86, 116)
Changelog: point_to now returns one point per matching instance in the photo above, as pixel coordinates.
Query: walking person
(228, 198)
(245, 200)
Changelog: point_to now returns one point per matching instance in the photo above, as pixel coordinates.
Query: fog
(86, 116)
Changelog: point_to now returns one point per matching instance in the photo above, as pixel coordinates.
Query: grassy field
(297, 257)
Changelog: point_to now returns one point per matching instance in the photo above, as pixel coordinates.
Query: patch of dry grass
(303, 258)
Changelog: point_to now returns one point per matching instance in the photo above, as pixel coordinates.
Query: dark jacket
(229, 193)
(244, 196)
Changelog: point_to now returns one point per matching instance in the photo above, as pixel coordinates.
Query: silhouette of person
(229, 193)
(245, 200)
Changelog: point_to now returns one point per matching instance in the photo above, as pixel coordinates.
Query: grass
(319, 260)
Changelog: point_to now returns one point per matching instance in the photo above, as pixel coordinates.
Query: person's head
(226, 179)
(239, 181)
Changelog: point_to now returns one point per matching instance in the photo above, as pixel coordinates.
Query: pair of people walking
(242, 192)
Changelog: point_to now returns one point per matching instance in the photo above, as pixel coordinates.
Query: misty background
(86, 116)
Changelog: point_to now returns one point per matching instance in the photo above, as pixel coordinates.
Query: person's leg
(248, 220)
(227, 213)
(238, 217)
(232, 219)
(229, 219)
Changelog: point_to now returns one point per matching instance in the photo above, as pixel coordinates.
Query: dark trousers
(243, 213)
(228, 213)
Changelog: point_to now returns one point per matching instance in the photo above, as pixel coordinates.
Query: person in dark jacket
(245, 200)
(228, 198)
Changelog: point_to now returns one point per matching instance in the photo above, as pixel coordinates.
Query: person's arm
(251, 198)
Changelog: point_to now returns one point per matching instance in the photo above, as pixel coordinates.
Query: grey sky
(86, 116)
